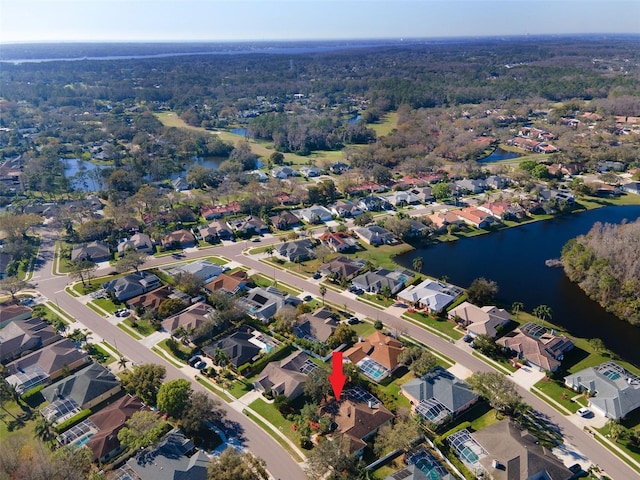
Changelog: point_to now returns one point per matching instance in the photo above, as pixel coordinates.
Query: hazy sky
(123, 20)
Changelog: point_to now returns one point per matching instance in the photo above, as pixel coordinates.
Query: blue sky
(185, 20)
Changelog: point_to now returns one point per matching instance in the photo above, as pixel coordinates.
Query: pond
(499, 154)
(515, 259)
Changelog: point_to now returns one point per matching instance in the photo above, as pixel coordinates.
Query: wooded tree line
(606, 264)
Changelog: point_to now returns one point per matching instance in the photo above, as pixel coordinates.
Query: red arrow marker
(337, 377)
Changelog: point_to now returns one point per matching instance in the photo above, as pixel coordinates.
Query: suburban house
(205, 270)
(401, 198)
(424, 194)
(539, 347)
(180, 184)
(365, 188)
(285, 220)
(179, 239)
(358, 421)
(263, 303)
(430, 294)
(151, 300)
(215, 231)
(250, 225)
(377, 355)
(189, 319)
(374, 281)
(474, 217)
(131, 285)
(345, 208)
(317, 326)
(97, 251)
(21, 336)
(558, 194)
(468, 185)
(480, 320)
(104, 443)
(439, 395)
(415, 470)
(45, 365)
(614, 391)
(285, 377)
(512, 453)
(417, 229)
(230, 283)
(497, 182)
(140, 242)
(339, 168)
(632, 187)
(375, 235)
(238, 347)
(175, 457)
(315, 214)
(84, 389)
(441, 220)
(374, 204)
(211, 212)
(283, 172)
(298, 251)
(10, 312)
(341, 267)
(311, 171)
(338, 241)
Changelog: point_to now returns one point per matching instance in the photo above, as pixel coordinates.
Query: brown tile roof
(379, 347)
(227, 281)
(152, 299)
(190, 318)
(109, 421)
(356, 421)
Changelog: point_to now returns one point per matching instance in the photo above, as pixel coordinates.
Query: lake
(74, 165)
(515, 259)
(499, 154)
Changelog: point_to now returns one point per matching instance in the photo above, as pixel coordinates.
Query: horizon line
(342, 39)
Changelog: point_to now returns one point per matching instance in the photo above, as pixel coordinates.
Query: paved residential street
(279, 462)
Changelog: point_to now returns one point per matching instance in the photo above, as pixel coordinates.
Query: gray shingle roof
(83, 386)
(442, 385)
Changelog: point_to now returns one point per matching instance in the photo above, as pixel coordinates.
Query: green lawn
(378, 300)
(101, 355)
(208, 386)
(143, 327)
(183, 354)
(218, 260)
(274, 417)
(445, 327)
(559, 393)
(388, 122)
(264, 281)
(129, 331)
(107, 305)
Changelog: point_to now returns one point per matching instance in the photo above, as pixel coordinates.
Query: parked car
(467, 338)
(585, 412)
(308, 298)
(353, 321)
(317, 276)
(256, 239)
(200, 365)
(194, 360)
(123, 312)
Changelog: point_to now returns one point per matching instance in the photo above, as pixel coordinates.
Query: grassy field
(260, 148)
(388, 123)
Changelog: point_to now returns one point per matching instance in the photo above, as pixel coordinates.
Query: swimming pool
(82, 441)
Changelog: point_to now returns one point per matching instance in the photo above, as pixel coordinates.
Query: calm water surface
(515, 258)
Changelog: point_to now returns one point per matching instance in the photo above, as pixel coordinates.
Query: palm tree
(323, 292)
(44, 429)
(417, 264)
(616, 430)
(543, 312)
(516, 307)
(122, 362)
(269, 251)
